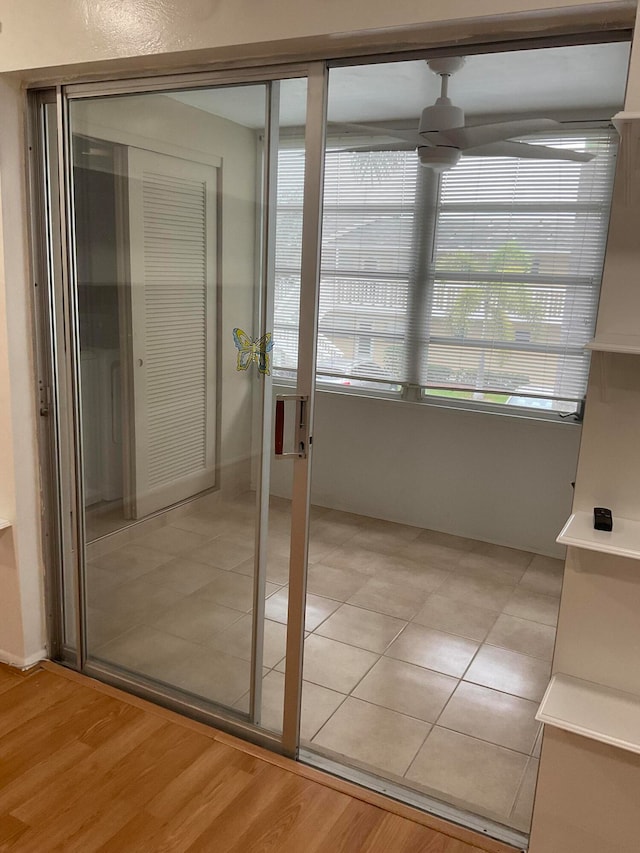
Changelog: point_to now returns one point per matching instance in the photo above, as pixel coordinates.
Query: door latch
(45, 401)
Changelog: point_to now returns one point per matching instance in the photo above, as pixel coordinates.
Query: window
(481, 285)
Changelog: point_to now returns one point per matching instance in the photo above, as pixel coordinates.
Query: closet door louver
(172, 257)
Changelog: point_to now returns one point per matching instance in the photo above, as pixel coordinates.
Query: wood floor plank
(49, 719)
(194, 819)
(179, 793)
(8, 679)
(356, 824)
(308, 833)
(401, 836)
(11, 830)
(256, 798)
(29, 698)
(395, 833)
(46, 733)
(108, 690)
(178, 833)
(139, 777)
(84, 769)
(139, 834)
(93, 811)
(114, 720)
(87, 773)
(41, 774)
(107, 800)
(269, 828)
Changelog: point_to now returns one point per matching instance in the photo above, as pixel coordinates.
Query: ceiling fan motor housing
(440, 159)
(442, 115)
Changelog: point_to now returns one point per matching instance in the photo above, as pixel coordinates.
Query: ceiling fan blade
(483, 134)
(389, 146)
(533, 152)
(411, 136)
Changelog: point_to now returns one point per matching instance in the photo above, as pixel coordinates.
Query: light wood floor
(84, 767)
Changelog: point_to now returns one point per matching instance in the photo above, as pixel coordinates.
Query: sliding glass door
(455, 306)
(445, 310)
(176, 566)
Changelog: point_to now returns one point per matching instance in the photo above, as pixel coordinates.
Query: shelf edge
(581, 730)
(604, 346)
(589, 734)
(567, 538)
(586, 545)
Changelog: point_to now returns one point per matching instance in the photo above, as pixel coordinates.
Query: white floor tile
(371, 735)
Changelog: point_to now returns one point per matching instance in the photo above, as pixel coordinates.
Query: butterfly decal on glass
(250, 350)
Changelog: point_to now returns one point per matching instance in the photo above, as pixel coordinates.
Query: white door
(172, 235)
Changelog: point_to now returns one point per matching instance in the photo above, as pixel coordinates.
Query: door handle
(279, 432)
(300, 428)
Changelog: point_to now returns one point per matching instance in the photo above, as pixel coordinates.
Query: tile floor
(425, 658)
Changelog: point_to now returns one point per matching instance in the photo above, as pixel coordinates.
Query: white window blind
(482, 288)
(367, 240)
(517, 266)
(288, 255)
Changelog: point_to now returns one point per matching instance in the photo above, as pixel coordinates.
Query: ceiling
(583, 81)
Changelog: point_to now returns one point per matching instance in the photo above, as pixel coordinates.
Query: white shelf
(593, 711)
(623, 118)
(4, 523)
(623, 540)
(615, 343)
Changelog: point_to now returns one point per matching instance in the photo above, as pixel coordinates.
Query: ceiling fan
(442, 136)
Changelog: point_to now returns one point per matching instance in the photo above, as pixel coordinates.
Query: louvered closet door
(172, 210)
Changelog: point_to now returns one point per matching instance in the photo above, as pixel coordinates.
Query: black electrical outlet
(602, 518)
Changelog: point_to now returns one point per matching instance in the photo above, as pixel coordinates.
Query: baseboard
(22, 663)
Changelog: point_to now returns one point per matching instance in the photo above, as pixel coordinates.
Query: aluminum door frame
(63, 337)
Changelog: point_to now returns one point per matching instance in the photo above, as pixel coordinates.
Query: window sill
(461, 407)
(502, 410)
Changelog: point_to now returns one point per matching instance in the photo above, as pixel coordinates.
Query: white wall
(11, 632)
(76, 34)
(489, 477)
(21, 587)
(588, 792)
(587, 797)
(599, 627)
(41, 33)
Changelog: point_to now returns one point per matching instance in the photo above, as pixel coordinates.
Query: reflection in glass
(168, 216)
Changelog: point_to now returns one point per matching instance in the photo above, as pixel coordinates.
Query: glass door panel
(414, 676)
(174, 302)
